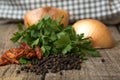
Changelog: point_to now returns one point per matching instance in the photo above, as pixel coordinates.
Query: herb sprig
(54, 38)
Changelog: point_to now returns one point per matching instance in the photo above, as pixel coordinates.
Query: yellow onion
(99, 33)
(33, 16)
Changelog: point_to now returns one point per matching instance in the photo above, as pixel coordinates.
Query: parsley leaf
(54, 38)
(24, 60)
(20, 26)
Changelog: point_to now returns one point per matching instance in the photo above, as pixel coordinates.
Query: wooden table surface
(92, 69)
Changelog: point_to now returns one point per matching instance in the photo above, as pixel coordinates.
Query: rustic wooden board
(92, 69)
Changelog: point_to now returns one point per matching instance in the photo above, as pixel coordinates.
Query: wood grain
(92, 69)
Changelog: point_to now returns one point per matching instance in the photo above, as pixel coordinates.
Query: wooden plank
(115, 33)
(92, 69)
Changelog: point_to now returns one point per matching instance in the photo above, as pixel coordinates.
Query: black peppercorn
(54, 64)
(22, 68)
(103, 60)
(61, 73)
(18, 71)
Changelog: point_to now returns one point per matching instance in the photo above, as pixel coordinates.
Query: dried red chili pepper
(14, 54)
(38, 52)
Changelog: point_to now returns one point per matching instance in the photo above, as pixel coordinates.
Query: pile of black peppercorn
(53, 64)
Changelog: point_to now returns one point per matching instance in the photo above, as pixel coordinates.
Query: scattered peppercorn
(18, 71)
(22, 68)
(61, 73)
(103, 60)
(54, 64)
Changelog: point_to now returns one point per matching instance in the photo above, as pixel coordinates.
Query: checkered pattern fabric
(78, 9)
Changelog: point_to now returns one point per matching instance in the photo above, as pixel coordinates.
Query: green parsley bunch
(53, 38)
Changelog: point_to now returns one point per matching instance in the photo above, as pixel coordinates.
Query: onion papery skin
(33, 16)
(99, 32)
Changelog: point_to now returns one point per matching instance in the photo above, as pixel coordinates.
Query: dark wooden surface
(92, 69)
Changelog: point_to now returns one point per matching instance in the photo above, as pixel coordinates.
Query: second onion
(100, 34)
